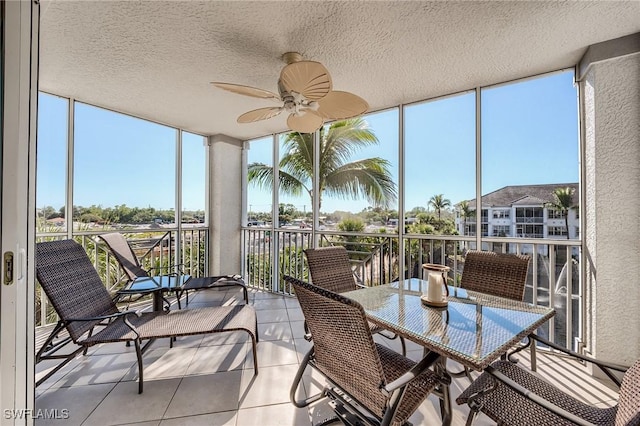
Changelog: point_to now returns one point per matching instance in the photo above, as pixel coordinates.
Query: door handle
(8, 268)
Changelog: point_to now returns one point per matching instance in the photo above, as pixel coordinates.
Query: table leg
(440, 368)
(157, 301)
(442, 390)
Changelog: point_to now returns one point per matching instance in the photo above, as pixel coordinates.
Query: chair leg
(178, 296)
(329, 421)
(54, 333)
(86, 348)
(464, 372)
(471, 416)
(255, 353)
(140, 372)
(296, 384)
(394, 336)
(246, 294)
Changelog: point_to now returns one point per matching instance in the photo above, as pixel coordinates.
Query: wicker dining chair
(499, 274)
(511, 395)
(330, 269)
(368, 383)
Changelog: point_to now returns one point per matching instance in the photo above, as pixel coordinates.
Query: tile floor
(209, 379)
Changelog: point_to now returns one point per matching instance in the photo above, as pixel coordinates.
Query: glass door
(18, 106)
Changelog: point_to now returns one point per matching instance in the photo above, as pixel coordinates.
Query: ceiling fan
(306, 93)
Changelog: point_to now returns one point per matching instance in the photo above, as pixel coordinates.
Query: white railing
(554, 273)
(154, 247)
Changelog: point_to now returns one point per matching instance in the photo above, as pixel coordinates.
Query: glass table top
(164, 283)
(474, 328)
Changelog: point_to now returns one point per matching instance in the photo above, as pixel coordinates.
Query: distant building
(57, 221)
(521, 211)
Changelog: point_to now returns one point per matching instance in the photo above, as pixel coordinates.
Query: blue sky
(529, 136)
(118, 160)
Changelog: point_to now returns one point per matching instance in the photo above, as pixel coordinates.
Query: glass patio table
(474, 328)
(157, 286)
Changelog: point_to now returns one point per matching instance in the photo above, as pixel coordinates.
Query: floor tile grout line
(101, 401)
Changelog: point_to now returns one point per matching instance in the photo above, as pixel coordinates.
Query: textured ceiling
(156, 59)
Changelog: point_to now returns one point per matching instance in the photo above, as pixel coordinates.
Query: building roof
(521, 195)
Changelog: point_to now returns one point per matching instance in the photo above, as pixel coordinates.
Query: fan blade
(310, 79)
(338, 105)
(259, 114)
(246, 90)
(307, 122)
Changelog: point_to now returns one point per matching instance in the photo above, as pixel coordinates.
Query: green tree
(286, 213)
(466, 212)
(354, 224)
(370, 177)
(90, 217)
(425, 218)
(351, 225)
(438, 202)
(563, 202)
(420, 228)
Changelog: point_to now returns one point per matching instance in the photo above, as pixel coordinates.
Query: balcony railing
(154, 248)
(553, 280)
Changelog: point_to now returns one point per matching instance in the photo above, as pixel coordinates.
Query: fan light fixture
(306, 93)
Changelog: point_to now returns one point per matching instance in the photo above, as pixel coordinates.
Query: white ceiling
(156, 59)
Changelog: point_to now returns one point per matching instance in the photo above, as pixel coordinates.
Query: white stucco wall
(612, 208)
(225, 204)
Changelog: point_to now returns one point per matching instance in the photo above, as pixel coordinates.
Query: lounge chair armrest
(105, 317)
(122, 315)
(507, 381)
(410, 375)
(603, 365)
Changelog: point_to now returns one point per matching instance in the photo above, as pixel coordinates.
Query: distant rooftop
(523, 195)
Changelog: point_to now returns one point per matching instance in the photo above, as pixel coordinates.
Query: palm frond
(297, 155)
(369, 178)
(261, 176)
(341, 140)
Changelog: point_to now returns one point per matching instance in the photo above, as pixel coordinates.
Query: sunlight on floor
(209, 379)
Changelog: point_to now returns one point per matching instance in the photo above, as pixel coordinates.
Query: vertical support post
(401, 180)
(275, 218)
(315, 199)
(478, 168)
(246, 146)
(178, 202)
(68, 205)
(569, 300)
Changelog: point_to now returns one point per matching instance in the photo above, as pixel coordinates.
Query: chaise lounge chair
(131, 265)
(91, 317)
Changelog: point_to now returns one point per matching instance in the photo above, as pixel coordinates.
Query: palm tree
(370, 177)
(466, 213)
(438, 202)
(563, 202)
